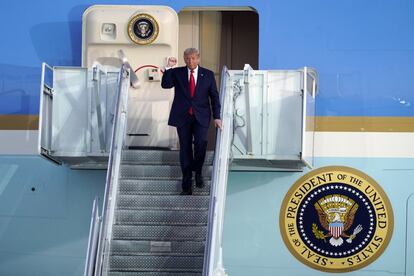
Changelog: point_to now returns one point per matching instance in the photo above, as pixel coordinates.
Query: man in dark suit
(195, 97)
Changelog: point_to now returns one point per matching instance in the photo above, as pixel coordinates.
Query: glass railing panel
(76, 113)
(110, 86)
(111, 187)
(103, 91)
(70, 114)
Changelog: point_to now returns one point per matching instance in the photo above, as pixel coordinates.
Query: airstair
(155, 230)
(146, 227)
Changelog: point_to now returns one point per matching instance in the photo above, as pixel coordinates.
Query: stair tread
(166, 263)
(152, 247)
(160, 165)
(158, 272)
(153, 273)
(158, 178)
(156, 171)
(158, 187)
(159, 232)
(160, 217)
(157, 163)
(161, 156)
(155, 254)
(164, 202)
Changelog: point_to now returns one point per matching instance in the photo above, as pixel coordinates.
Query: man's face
(191, 61)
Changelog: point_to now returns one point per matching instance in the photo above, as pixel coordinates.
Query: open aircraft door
(145, 36)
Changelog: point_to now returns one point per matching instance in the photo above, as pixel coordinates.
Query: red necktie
(192, 89)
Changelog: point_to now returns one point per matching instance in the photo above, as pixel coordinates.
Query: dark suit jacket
(206, 97)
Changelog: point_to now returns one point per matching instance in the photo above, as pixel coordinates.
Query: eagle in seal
(336, 215)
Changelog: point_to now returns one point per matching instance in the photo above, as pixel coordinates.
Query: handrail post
(96, 78)
(246, 79)
(93, 239)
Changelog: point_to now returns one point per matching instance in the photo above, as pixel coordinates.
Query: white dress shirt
(195, 74)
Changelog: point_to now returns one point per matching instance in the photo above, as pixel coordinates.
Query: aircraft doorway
(224, 36)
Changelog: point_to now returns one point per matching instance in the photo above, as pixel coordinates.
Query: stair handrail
(213, 259)
(117, 139)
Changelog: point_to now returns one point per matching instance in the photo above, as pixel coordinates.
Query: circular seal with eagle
(143, 29)
(336, 219)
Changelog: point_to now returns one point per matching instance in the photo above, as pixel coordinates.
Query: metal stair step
(164, 202)
(131, 247)
(159, 263)
(159, 232)
(161, 217)
(152, 273)
(158, 187)
(156, 171)
(158, 157)
(156, 231)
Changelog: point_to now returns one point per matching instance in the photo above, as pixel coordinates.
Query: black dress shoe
(199, 181)
(186, 192)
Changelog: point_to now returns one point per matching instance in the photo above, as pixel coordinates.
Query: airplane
(311, 173)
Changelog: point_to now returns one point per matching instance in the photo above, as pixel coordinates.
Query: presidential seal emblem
(336, 219)
(143, 29)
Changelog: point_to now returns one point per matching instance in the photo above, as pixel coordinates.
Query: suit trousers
(189, 132)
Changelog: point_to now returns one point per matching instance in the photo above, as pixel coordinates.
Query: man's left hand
(217, 123)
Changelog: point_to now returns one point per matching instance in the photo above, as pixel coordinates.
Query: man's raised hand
(171, 61)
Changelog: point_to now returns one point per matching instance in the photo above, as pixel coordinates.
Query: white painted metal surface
(104, 34)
